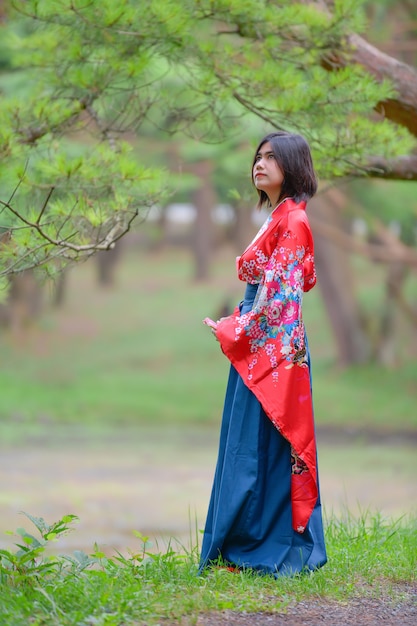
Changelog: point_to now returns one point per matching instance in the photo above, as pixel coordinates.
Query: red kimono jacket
(267, 345)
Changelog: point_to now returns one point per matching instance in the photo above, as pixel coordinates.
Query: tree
(100, 75)
(105, 70)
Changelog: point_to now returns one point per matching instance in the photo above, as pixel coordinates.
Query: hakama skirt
(249, 520)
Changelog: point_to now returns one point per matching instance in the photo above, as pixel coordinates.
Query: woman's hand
(211, 324)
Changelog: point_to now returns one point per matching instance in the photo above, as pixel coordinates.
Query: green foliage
(367, 556)
(70, 202)
(100, 73)
(28, 563)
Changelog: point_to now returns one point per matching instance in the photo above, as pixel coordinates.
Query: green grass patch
(367, 556)
(139, 353)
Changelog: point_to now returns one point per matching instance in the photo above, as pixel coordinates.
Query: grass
(367, 556)
(139, 352)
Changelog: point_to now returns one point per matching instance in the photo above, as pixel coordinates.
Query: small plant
(29, 561)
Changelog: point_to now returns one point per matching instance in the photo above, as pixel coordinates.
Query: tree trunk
(336, 284)
(60, 288)
(107, 261)
(24, 302)
(204, 198)
(243, 227)
(386, 349)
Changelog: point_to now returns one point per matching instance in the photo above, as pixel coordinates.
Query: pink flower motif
(289, 313)
(274, 311)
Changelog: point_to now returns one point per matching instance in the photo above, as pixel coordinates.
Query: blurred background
(111, 388)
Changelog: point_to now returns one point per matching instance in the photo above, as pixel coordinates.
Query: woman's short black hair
(293, 156)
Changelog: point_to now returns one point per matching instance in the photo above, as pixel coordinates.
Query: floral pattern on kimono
(267, 345)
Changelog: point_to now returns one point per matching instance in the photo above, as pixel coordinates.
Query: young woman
(265, 511)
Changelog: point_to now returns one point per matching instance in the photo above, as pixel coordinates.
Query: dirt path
(358, 612)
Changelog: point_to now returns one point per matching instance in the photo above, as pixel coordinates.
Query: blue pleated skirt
(249, 520)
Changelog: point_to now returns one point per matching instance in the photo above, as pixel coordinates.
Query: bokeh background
(111, 388)
(111, 402)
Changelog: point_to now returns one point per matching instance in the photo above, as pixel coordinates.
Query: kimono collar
(288, 204)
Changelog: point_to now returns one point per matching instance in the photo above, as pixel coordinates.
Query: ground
(158, 482)
(357, 612)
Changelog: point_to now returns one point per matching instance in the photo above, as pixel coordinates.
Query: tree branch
(401, 109)
(106, 243)
(401, 168)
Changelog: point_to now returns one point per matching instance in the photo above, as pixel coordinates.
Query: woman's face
(267, 174)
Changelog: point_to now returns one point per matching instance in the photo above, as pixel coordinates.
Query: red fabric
(267, 345)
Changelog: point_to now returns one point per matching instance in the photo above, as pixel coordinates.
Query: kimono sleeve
(273, 326)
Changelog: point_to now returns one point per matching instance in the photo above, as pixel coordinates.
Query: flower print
(285, 339)
(298, 276)
(261, 257)
(250, 271)
(273, 331)
(274, 327)
(274, 310)
(289, 313)
(255, 328)
(300, 252)
(290, 270)
(270, 349)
